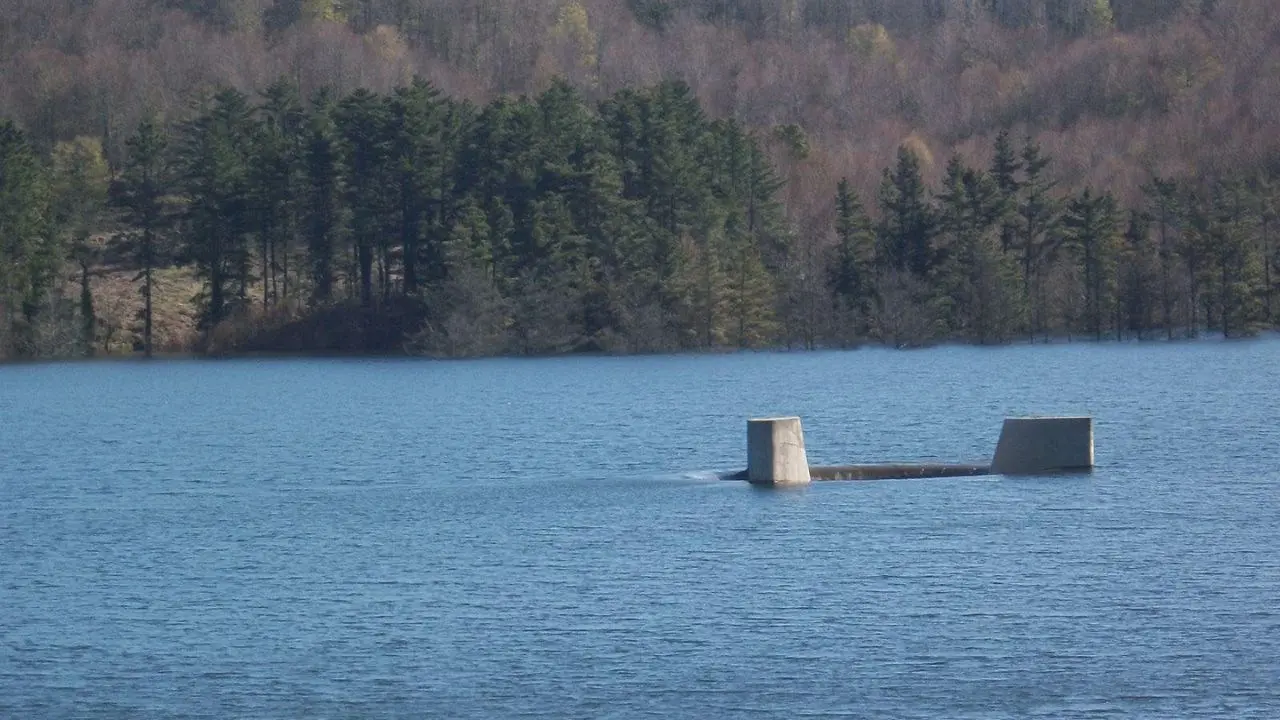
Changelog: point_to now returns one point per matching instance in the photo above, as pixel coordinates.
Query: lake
(548, 538)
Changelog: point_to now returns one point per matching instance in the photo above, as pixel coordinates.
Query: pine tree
(974, 280)
(364, 123)
(698, 288)
(955, 251)
(417, 117)
(1194, 248)
(660, 137)
(907, 220)
(1165, 211)
(499, 167)
(322, 208)
(609, 225)
(1139, 265)
(743, 187)
(140, 194)
(548, 315)
(1038, 216)
(28, 255)
(276, 183)
(1005, 166)
(1236, 258)
(852, 279)
(213, 162)
(468, 316)
(1267, 218)
(1091, 226)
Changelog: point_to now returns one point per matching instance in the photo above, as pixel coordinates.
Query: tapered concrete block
(1030, 446)
(775, 452)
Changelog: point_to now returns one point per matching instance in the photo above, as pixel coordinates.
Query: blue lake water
(546, 538)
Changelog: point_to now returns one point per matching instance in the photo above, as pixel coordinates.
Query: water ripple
(546, 539)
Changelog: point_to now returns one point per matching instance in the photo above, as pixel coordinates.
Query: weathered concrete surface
(897, 471)
(1032, 446)
(775, 452)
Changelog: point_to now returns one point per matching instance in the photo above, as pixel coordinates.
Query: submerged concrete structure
(1037, 445)
(775, 452)
(897, 471)
(1028, 446)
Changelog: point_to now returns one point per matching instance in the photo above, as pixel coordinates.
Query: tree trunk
(1165, 299)
(275, 285)
(284, 268)
(365, 258)
(1193, 293)
(86, 308)
(1225, 310)
(266, 284)
(148, 261)
(1266, 271)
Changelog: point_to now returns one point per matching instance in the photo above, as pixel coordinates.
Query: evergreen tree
(1165, 211)
(609, 225)
(907, 220)
(363, 121)
(1194, 250)
(1091, 226)
(323, 211)
(1139, 266)
(554, 225)
(973, 279)
(744, 186)
(140, 194)
(499, 169)
(852, 279)
(417, 116)
(1238, 266)
(446, 196)
(1267, 218)
(213, 161)
(28, 255)
(1038, 217)
(1005, 166)
(658, 135)
(550, 315)
(276, 184)
(468, 315)
(749, 289)
(698, 288)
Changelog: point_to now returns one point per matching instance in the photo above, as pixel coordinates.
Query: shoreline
(193, 356)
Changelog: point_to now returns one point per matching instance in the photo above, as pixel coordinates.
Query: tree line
(999, 253)
(415, 221)
(529, 225)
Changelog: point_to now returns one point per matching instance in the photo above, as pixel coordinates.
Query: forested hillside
(463, 177)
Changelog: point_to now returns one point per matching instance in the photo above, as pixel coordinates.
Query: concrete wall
(1030, 446)
(775, 452)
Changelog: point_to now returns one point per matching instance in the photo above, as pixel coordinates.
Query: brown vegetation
(1171, 94)
(1115, 92)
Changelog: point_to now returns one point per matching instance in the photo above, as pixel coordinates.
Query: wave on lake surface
(532, 539)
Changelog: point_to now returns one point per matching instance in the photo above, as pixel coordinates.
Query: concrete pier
(775, 452)
(1033, 446)
(1028, 446)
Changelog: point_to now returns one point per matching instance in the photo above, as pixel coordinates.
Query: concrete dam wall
(776, 454)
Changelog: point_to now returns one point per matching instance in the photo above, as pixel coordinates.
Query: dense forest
(471, 177)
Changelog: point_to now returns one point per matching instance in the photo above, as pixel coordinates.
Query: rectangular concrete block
(1030, 446)
(775, 452)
